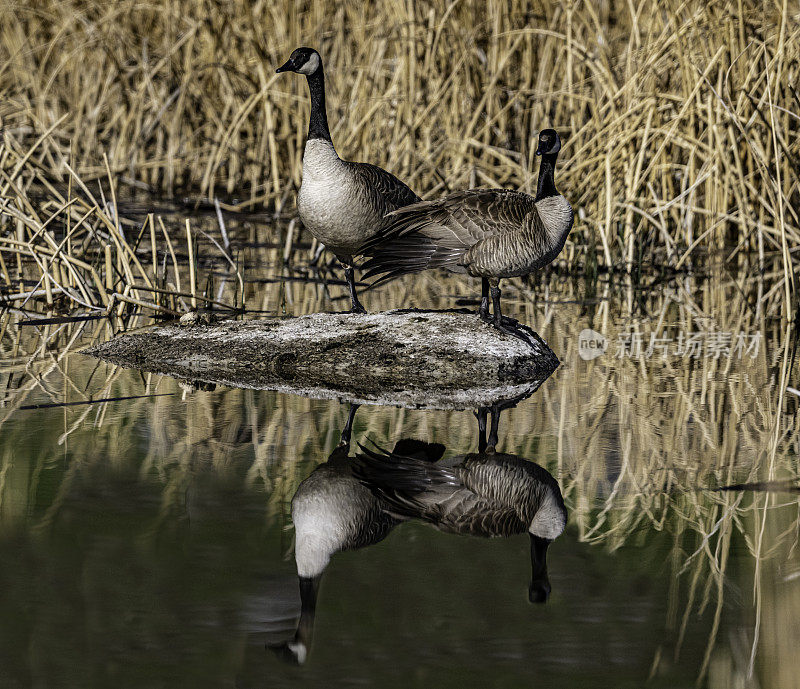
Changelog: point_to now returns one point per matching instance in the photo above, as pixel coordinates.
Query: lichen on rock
(436, 359)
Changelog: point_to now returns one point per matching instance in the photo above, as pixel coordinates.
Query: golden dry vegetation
(681, 123)
(680, 119)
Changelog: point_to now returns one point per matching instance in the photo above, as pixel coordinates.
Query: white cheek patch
(311, 66)
(300, 651)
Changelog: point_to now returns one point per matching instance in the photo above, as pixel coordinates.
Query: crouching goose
(342, 203)
(486, 233)
(481, 494)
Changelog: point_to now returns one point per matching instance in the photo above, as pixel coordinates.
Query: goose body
(342, 203)
(332, 511)
(486, 233)
(482, 494)
(491, 233)
(485, 494)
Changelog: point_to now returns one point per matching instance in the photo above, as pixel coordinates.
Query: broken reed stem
(221, 221)
(109, 268)
(199, 297)
(144, 304)
(46, 254)
(153, 251)
(192, 276)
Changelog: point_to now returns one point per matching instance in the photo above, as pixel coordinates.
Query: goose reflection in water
(352, 502)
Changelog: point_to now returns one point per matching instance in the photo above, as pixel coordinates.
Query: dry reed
(62, 250)
(680, 120)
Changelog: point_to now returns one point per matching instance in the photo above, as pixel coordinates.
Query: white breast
(556, 215)
(331, 202)
(550, 520)
(320, 161)
(327, 511)
(320, 530)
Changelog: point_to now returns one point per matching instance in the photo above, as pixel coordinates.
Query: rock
(197, 318)
(410, 358)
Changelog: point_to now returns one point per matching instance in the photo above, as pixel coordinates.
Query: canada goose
(486, 233)
(477, 494)
(342, 203)
(333, 511)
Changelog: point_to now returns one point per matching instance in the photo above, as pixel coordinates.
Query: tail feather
(411, 254)
(419, 449)
(393, 473)
(398, 257)
(407, 244)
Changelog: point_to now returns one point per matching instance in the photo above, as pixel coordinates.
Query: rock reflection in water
(351, 502)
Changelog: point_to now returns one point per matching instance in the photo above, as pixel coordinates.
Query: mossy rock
(410, 358)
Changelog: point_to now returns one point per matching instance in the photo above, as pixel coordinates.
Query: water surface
(148, 541)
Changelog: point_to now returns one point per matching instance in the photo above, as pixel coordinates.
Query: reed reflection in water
(682, 580)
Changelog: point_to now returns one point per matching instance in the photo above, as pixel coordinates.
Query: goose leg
(481, 416)
(484, 311)
(494, 428)
(344, 441)
(355, 304)
(498, 315)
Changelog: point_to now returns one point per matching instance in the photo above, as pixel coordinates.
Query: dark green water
(148, 542)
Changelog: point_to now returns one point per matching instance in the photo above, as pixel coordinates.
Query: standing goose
(484, 494)
(343, 204)
(486, 233)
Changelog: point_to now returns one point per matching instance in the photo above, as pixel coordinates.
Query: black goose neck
(547, 185)
(318, 123)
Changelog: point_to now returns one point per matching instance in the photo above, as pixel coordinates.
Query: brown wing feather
(438, 233)
(387, 192)
(485, 495)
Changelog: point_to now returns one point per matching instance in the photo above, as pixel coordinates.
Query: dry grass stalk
(70, 253)
(681, 124)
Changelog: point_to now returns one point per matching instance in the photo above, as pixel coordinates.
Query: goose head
(549, 142)
(296, 650)
(303, 61)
